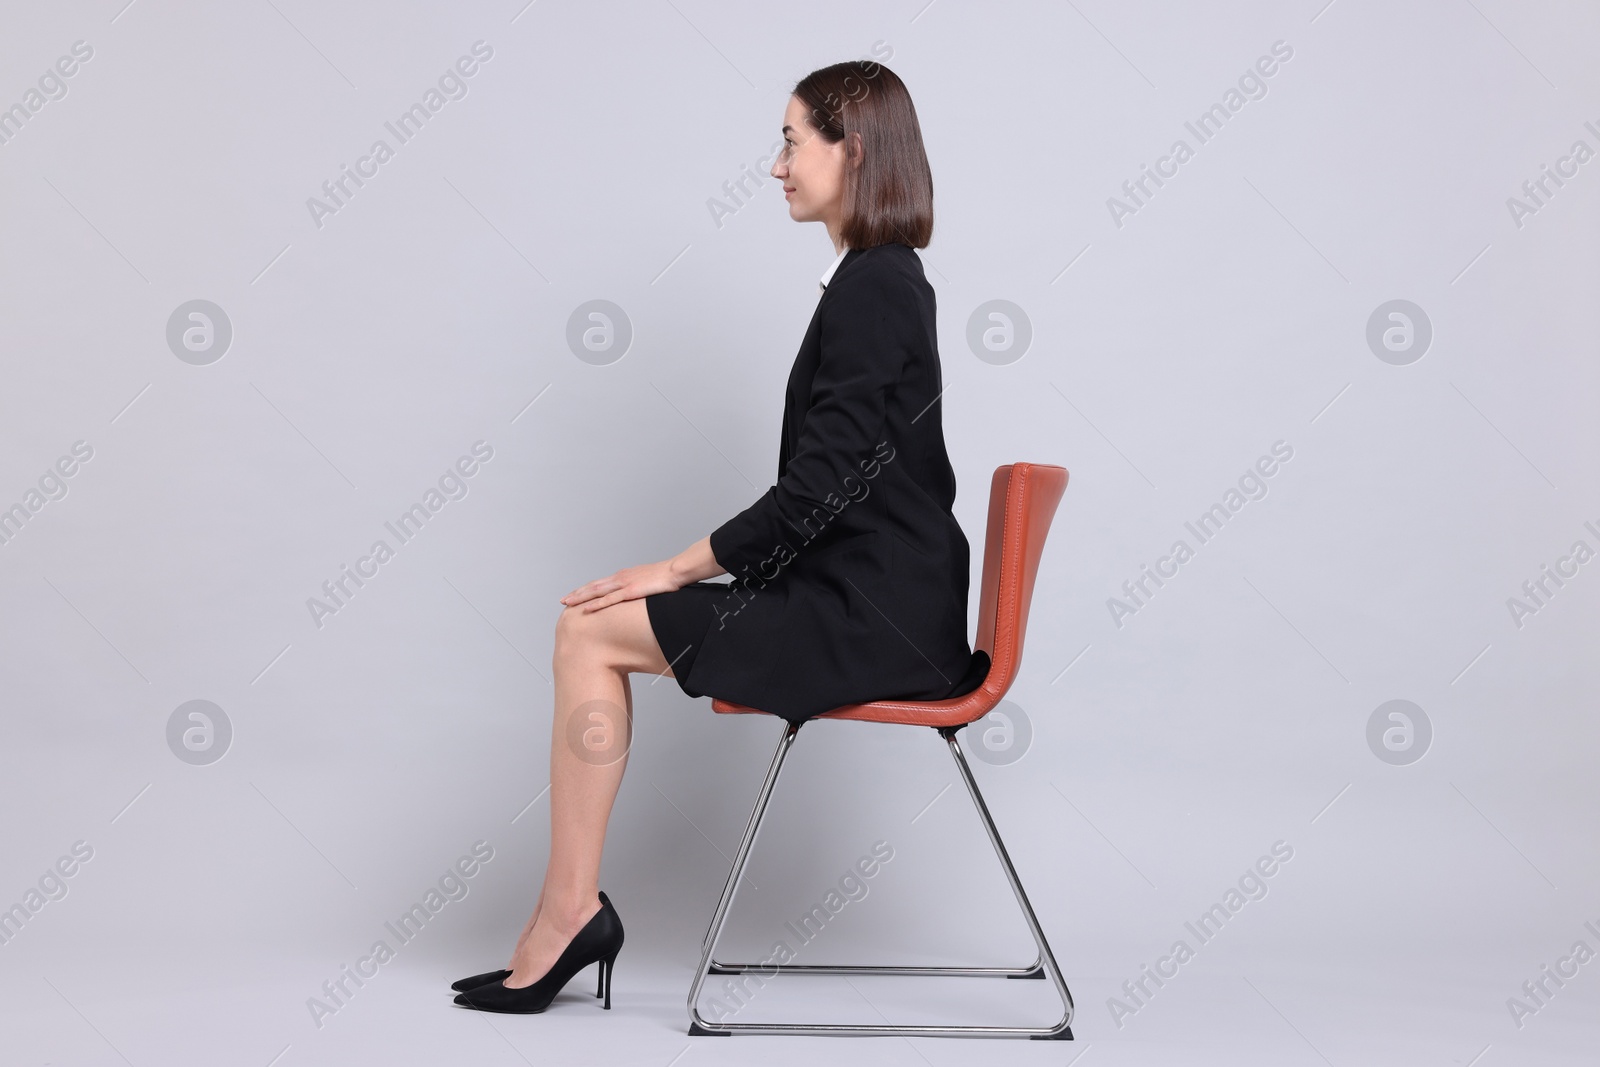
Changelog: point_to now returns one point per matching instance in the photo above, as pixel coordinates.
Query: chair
(1022, 502)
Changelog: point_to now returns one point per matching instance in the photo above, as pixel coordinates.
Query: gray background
(1167, 354)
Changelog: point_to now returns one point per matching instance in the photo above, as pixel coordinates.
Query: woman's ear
(853, 148)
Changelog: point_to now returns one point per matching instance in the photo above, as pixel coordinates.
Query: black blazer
(851, 572)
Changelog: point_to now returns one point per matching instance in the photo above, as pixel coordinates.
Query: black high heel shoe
(461, 985)
(598, 942)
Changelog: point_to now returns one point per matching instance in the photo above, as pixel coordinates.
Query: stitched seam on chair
(1007, 598)
(1008, 530)
(1018, 568)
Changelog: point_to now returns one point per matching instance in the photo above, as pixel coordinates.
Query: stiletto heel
(607, 965)
(598, 942)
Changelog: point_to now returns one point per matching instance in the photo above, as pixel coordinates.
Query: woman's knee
(578, 635)
(618, 636)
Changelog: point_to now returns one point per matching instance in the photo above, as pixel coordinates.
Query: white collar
(828, 274)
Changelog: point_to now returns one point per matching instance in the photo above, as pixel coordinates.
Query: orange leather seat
(1022, 504)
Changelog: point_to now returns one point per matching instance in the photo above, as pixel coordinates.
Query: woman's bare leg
(534, 918)
(591, 730)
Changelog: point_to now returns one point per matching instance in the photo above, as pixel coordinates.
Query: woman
(850, 574)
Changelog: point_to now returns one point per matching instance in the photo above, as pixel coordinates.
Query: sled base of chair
(1043, 966)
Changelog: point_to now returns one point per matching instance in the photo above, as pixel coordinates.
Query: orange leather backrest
(1022, 504)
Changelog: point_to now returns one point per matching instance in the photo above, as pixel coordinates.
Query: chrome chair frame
(1044, 963)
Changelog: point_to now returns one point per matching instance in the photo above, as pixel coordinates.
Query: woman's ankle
(569, 912)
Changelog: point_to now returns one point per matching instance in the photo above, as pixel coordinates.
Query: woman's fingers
(588, 591)
(605, 601)
(626, 584)
(628, 591)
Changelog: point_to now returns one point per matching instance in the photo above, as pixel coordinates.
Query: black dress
(850, 574)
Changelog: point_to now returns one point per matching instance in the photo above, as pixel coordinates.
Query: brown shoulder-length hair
(888, 194)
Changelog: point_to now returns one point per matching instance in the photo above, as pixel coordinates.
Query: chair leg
(737, 872)
(1063, 1028)
(699, 1026)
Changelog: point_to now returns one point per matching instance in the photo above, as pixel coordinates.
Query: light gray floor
(120, 1015)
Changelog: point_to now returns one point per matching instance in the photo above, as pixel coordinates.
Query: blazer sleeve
(865, 338)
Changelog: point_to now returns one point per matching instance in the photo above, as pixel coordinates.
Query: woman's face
(811, 169)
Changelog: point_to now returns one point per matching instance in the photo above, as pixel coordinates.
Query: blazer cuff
(748, 538)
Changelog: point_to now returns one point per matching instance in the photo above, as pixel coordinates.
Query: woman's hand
(630, 583)
(689, 566)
